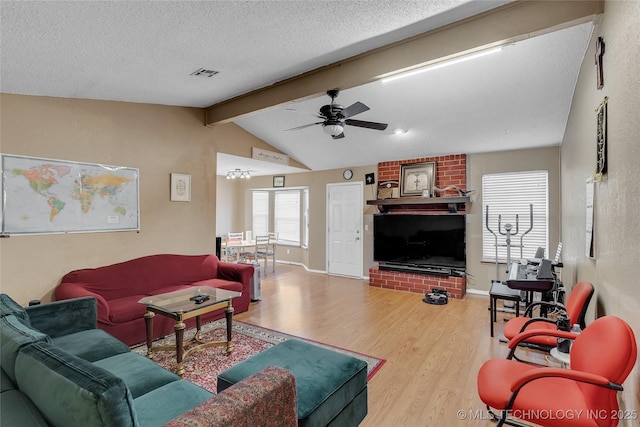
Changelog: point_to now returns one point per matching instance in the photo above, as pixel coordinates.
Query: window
(305, 213)
(286, 216)
(508, 195)
(284, 212)
(260, 223)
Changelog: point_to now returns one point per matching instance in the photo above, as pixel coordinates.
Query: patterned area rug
(202, 367)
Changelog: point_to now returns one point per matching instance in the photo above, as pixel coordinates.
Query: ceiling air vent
(202, 72)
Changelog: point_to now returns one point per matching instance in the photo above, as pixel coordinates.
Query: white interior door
(344, 229)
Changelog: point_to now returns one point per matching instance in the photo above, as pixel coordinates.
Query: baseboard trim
(301, 265)
(477, 292)
(317, 271)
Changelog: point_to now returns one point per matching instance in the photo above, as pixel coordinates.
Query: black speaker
(218, 246)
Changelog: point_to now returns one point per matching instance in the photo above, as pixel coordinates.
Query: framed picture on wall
(417, 179)
(278, 181)
(180, 187)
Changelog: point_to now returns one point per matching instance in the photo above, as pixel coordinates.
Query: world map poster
(58, 196)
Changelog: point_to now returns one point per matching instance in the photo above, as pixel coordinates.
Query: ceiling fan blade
(354, 109)
(364, 124)
(304, 126)
(338, 136)
(305, 112)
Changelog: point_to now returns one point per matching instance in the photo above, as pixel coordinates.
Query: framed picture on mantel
(417, 179)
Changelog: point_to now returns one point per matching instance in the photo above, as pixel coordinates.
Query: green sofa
(59, 370)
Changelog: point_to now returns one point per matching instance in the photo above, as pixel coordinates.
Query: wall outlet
(288, 251)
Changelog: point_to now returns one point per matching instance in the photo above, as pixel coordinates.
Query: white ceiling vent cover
(202, 72)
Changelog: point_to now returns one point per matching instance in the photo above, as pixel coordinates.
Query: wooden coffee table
(186, 304)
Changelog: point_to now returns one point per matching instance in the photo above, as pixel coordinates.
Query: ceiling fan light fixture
(333, 129)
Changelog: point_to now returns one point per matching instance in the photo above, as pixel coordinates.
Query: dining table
(240, 246)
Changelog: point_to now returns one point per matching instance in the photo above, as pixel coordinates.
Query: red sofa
(118, 288)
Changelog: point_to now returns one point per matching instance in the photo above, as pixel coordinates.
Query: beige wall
(229, 201)
(155, 139)
(615, 271)
(482, 273)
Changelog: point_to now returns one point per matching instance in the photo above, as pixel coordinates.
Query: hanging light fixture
(333, 129)
(239, 173)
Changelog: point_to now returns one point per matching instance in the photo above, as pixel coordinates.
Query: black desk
(530, 286)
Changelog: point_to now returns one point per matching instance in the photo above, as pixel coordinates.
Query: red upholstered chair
(575, 310)
(584, 395)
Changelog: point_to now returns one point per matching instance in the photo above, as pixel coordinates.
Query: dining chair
(262, 250)
(267, 248)
(271, 250)
(233, 252)
(235, 236)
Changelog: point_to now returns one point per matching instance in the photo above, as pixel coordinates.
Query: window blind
(260, 221)
(286, 217)
(508, 195)
(305, 210)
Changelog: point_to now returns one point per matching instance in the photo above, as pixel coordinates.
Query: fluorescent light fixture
(442, 64)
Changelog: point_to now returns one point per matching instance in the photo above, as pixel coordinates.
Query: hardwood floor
(433, 352)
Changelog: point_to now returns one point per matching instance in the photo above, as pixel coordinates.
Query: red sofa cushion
(145, 275)
(127, 308)
(221, 284)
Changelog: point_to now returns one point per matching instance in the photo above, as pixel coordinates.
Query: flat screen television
(419, 241)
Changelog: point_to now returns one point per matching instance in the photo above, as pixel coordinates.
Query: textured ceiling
(145, 52)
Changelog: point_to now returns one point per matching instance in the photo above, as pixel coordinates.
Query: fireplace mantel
(452, 202)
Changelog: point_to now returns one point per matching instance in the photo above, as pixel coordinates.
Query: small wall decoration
(388, 190)
(601, 137)
(416, 178)
(278, 181)
(599, 69)
(180, 187)
(269, 156)
(369, 178)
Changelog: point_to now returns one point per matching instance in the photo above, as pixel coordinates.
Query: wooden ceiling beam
(507, 24)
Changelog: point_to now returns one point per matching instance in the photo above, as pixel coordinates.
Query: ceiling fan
(335, 117)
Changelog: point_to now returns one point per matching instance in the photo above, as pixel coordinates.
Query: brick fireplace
(456, 287)
(450, 170)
